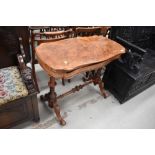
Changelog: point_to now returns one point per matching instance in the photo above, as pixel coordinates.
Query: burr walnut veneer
(69, 57)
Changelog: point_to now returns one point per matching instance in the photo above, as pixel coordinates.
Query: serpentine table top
(68, 57)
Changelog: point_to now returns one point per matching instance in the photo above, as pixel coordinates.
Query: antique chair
(105, 30)
(40, 28)
(87, 31)
(18, 97)
(59, 28)
(135, 71)
(44, 37)
(92, 30)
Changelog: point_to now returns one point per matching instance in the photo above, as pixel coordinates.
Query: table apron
(69, 75)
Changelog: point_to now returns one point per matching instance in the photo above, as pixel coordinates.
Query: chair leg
(87, 74)
(36, 117)
(35, 78)
(63, 81)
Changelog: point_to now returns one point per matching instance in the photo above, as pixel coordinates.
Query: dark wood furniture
(44, 37)
(88, 31)
(92, 30)
(60, 28)
(95, 53)
(18, 36)
(23, 34)
(25, 108)
(105, 30)
(40, 28)
(135, 71)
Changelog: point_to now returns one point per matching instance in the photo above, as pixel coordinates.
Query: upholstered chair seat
(12, 86)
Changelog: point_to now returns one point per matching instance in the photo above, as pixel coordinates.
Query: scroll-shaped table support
(51, 97)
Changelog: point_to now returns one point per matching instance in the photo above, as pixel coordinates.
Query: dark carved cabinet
(125, 84)
(135, 71)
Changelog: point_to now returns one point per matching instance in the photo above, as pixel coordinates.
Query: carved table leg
(97, 80)
(53, 101)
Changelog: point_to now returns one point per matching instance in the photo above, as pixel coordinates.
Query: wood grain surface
(74, 53)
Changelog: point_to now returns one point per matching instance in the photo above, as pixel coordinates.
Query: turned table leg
(53, 100)
(98, 81)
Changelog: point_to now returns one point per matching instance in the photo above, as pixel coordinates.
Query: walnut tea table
(73, 56)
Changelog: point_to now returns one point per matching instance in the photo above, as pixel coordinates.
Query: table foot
(101, 86)
(57, 112)
(98, 81)
(63, 123)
